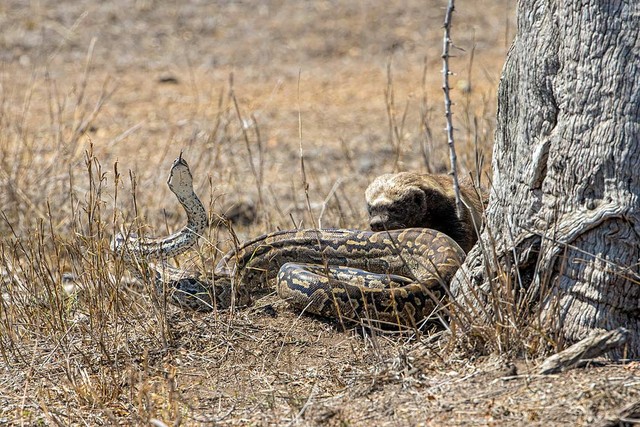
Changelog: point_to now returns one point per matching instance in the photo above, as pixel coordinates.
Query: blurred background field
(97, 96)
(356, 84)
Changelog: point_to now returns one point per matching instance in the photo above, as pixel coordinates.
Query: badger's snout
(376, 223)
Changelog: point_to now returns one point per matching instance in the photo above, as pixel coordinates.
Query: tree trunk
(564, 213)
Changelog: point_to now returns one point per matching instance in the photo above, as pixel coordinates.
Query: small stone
(168, 79)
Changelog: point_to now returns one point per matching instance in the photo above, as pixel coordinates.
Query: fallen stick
(596, 344)
(628, 415)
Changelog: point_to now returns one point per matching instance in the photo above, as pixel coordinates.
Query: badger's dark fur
(408, 199)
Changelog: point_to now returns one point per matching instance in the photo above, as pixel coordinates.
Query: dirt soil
(285, 111)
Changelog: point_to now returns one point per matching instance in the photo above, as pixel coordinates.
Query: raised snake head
(180, 180)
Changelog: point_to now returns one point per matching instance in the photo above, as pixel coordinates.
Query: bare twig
(447, 103)
(596, 344)
(244, 125)
(332, 192)
(427, 143)
(305, 182)
(628, 415)
(396, 130)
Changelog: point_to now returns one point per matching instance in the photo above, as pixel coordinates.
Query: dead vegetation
(96, 99)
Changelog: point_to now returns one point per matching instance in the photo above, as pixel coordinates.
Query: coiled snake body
(393, 277)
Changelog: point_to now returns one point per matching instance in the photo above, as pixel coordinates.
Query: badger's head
(397, 201)
(407, 199)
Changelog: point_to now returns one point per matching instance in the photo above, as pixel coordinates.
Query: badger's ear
(413, 196)
(418, 197)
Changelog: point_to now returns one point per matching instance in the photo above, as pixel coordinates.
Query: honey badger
(407, 199)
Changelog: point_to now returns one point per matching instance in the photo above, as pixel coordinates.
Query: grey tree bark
(564, 211)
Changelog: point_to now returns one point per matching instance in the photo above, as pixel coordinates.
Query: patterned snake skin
(394, 277)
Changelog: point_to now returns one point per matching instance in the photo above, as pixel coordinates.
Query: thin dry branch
(596, 344)
(446, 43)
(628, 415)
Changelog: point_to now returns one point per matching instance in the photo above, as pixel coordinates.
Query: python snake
(395, 277)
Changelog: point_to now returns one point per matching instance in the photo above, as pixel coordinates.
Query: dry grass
(96, 99)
